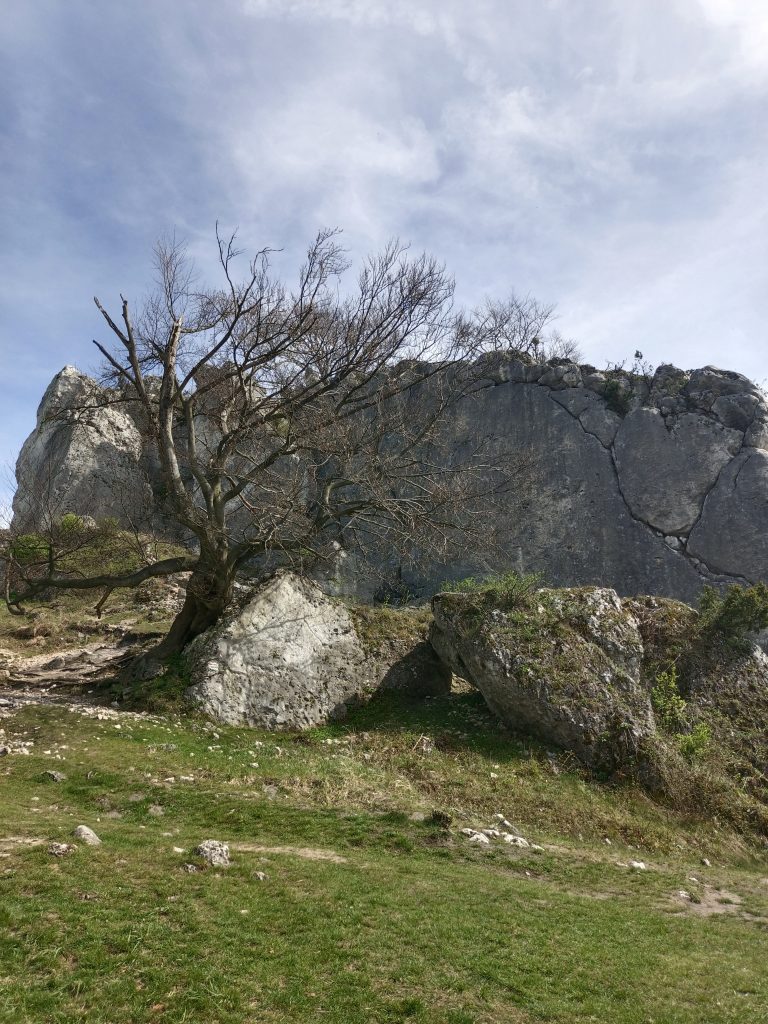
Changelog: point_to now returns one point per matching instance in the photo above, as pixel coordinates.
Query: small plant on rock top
(509, 589)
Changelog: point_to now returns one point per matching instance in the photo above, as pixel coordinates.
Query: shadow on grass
(459, 721)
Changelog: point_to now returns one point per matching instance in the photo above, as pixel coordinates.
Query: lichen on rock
(292, 658)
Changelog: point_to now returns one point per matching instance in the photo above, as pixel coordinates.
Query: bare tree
(288, 420)
(521, 326)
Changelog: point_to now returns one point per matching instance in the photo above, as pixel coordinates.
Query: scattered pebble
(213, 852)
(55, 776)
(503, 823)
(706, 863)
(86, 835)
(638, 865)
(61, 849)
(260, 876)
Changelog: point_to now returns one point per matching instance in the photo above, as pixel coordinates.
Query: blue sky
(610, 156)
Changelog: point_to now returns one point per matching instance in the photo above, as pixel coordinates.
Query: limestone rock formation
(564, 667)
(647, 485)
(291, 658)
(82, 457)
(646, 685)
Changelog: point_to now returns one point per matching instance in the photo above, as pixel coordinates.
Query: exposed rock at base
(292, 658)
(577, 668)
(564, 667)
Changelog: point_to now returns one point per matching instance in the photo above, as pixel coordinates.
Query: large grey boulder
(292, 658)
(564, 666)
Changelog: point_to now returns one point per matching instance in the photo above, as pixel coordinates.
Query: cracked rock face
(665, 471)
(652, 485)
(732, 534)
(647, 485)
(291, 658)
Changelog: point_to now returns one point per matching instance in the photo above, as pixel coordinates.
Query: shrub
(617, 398)
(509, 589)
(693, 744)
(28, 549)
(742, 610)
(671, 712)
(667, 702)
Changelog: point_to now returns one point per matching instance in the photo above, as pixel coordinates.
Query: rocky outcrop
(292, 658)
(645, 685)
(86, 455)
(564, 666)
(647, 484)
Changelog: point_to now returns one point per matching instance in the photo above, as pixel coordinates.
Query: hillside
(358, 889)
(352, 893)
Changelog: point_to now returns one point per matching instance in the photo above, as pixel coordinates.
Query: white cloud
(605, 154)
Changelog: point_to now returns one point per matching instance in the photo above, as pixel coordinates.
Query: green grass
(67, 619)
(410, 922)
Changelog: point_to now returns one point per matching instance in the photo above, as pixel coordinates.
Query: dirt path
(63, 678)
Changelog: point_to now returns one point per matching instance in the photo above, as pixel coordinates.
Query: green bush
(693, 744)
(732, 616)
(71, 523)
(509, 589)
(672, 716)
(617, 398)
(29, 549)
(667, 702)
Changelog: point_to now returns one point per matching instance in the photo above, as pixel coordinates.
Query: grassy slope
(68, 620)
(414, 924)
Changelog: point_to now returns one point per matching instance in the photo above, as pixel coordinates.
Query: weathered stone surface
(213, 852)
(732, 535)
(705, 386)
(565, 668)
(86, 835)
(577, 529)
(665, 473)
(61, 849)
(565, 376)
(80, 458)
(291, 658)
(591, 412)
(617, 480)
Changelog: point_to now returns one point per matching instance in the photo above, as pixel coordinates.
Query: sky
(608, 156)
